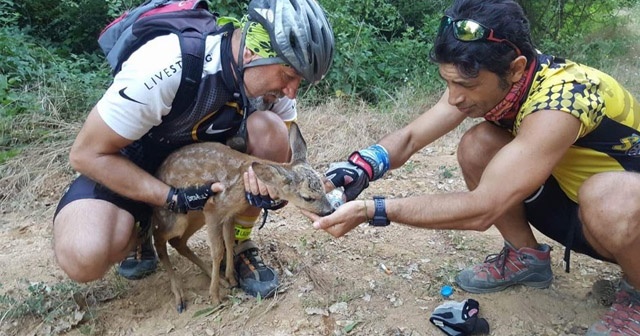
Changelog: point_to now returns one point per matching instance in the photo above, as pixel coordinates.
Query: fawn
(198, 163)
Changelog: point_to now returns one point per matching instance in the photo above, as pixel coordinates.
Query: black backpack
(191, 20)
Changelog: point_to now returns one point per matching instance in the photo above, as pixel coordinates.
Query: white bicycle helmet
(300, 34)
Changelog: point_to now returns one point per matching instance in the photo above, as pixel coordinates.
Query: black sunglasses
(467, 30)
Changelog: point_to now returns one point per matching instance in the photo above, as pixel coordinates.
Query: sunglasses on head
(467, 30)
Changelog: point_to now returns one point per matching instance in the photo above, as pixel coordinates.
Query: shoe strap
(247, 252)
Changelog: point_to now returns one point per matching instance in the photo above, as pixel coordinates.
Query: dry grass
(337, 128)
(35, 178)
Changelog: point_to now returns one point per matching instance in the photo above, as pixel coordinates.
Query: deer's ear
(298, 145)
(272, 174)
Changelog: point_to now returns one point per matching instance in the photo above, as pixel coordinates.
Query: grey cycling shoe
(526, 266)
(254, 277)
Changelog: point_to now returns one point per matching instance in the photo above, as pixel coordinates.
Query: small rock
(316, 311)
(339, 308)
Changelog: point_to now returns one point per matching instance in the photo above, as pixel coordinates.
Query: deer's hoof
(182, 306)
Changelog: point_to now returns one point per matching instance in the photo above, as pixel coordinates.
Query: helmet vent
(313, 31)
(296, 6)
(299, 32)
(293, 42)
(315, 65)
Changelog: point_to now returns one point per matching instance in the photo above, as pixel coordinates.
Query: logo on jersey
(125, 96)
(630, 145)
(163, 74)
(210, 130)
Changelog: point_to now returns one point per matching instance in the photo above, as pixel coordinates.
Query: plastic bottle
(336, 198)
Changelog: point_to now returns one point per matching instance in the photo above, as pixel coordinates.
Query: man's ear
(248, 55)
(518, 68)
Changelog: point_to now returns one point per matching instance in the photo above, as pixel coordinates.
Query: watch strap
(380, 212)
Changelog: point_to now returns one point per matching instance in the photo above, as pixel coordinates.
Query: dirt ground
(329, 286)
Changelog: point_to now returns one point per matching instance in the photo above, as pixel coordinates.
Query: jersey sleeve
(144, 89)
(575, 90)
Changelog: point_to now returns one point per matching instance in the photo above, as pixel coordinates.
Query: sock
(243, 226)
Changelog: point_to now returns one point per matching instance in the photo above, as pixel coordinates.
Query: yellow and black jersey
(609, 137)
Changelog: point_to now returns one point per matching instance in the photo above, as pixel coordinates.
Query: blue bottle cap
(446, 291)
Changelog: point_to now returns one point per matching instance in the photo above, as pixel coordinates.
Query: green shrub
(413, 13)
(33, 77)
(585, 31)
(72, 25)
(381, 45)
(373, 49)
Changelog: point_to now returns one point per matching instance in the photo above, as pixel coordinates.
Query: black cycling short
(556, 216)
(85, 188)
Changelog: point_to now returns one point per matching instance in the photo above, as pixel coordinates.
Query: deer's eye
(308, 199)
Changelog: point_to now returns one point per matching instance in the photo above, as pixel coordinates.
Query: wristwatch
(380, 213)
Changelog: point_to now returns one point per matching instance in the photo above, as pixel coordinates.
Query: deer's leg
(193, 224)
(228, 234)
(181, 246)
(216, 243)
(161, 249)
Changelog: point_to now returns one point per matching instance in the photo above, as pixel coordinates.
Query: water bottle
(336, 198)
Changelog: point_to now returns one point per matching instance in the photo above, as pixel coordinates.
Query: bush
(381, 45)
(71, 25)
(585, 31)
(373, 47)
(35, 81)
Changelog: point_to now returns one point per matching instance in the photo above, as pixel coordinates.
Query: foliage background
(51, 66)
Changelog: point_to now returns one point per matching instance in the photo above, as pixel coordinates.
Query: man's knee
(80, 262)
(610, 207)
(611, 193)
(268, 136)
(89, 236)
(479, 144)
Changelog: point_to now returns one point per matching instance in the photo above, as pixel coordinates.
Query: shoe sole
(533, 284)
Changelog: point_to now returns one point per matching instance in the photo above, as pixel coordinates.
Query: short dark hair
(508, 21)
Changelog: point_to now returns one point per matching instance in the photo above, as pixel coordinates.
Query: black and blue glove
(188, 198)
(365, 165)
(345, 174)
(459, 318)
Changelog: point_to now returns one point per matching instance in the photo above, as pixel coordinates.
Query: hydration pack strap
(192, 46)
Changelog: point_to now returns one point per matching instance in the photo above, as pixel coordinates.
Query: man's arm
(96, 154)
(439, 120)
(394, 149)
(513, 174)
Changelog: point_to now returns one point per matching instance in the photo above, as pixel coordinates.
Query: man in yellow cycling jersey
(559, 150)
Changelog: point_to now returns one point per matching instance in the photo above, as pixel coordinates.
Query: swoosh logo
(125, 96)
(210, 130)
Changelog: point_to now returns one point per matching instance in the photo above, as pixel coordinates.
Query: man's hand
(344, 219)
(353, 178)
(181, 200)
(258, 194)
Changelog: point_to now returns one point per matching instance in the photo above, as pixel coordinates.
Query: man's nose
(455, 97)
(291, 90)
